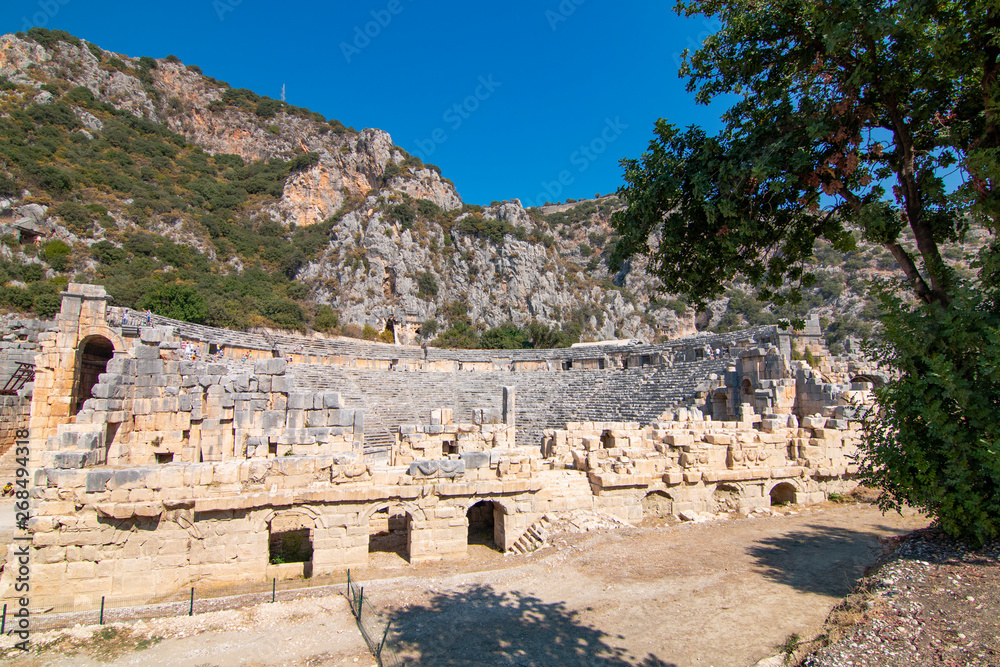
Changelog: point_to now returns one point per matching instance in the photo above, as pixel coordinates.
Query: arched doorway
(746, 387)
(486, 524)
(389, 533)
(657, 504)
(783, 494)
(92, 360)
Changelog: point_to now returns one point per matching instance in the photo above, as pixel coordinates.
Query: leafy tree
(850, 114)
(178, 301)
(428, 328)
(427, 285)
(836, 103)
(460, 335)
(504, 337)
(326, 318)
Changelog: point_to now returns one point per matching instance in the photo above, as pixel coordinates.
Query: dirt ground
(722, 593)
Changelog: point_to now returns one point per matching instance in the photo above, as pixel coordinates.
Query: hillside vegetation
(220, 206)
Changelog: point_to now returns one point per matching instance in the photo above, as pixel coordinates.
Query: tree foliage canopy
(846, 111)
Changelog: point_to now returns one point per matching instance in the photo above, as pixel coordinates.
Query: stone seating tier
(299, 344)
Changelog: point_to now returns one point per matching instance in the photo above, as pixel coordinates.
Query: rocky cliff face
(396, 242)
(369, 269)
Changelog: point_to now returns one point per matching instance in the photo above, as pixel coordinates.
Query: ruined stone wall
(171, 454)
(705, 465)
(18, 345)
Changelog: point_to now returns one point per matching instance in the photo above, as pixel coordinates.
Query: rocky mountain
(184, 195)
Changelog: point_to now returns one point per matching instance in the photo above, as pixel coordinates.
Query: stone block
(70, 460)
(143, 352)
(97, 481)
(475, 460)
(276, 366)
(423, 469)
(300, 401)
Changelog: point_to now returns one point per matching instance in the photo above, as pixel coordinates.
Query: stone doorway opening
(389, 534)
(657, 505)
(290, 546)
(726, 498)
(486, 525)
(783, 494)
(92, 359)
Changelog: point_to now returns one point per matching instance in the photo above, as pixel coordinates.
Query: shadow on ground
(818, 559)
(480, 626)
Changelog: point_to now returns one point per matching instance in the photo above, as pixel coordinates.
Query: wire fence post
(385, 635)
(274, 588)
(191, 608)
(102, 611)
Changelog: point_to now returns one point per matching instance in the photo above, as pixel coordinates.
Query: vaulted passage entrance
(92, 360)
(783, 494)
(486, 524)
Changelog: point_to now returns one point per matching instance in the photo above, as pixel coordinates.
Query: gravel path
(932, 601)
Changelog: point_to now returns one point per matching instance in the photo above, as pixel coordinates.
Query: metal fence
(187, 602)
(374, 628)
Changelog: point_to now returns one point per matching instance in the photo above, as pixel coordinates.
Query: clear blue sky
(549, 89)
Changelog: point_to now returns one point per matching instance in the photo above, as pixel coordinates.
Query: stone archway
(486, 524)
(92, 357)
(657, 504)
(784, 493)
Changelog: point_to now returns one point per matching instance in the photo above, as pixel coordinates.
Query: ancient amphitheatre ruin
(166, 454)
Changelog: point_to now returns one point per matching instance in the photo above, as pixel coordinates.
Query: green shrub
(46, 305)
(49, 38)
(461, 335)
(504, 337)
(428, 328)
(173, 59)
(934, 441)
(146, 62)
(9, 187)
(368, 332)
(427, 285)
(268, 108)
(392, 170)
(403, 214)
(386, 337)
(326, 319)
(175, 300)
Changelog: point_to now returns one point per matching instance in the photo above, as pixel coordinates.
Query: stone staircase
(534, 538)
